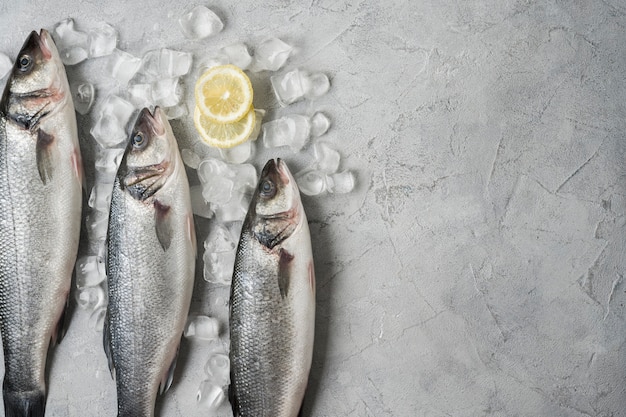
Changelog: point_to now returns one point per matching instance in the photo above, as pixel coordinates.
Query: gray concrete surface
(477, 269)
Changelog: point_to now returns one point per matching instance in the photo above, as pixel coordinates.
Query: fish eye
(139, 140)
(267, 189)
(24, 63)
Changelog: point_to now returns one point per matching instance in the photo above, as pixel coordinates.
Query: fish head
(276, 210)
(35, 84)
(148, 159)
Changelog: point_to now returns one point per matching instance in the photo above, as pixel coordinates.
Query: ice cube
(238, 55)
(107, 160)
(140, 95)
(90, 271)
(210, 396)
(5, 65)
(235, 209)
(211, 167)
(292, 130)
(199, 23)
(218, 369)
(199, 207)
(166, 63)
(100, 197)
(176, 112)
(238, 154)
(110, 129)
(316, 85)
(202, 327)
(311, 181)
(90, 297)
(96, 320)
(212, 61)
(166, 92)
(220, 239)
(217, 189)
(97, 225)
(73, 55)
(271, 54)
(190, 158)
(319, 124)
(118, 108)
(83, 95)
(102, 40)
(123, 66)
(218, 267)
(245, 177)
(302, 131)
(289, 87)
(258, 121)
(326, 158)
(341, 182)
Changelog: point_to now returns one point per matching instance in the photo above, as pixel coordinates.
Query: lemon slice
(224, 135)
(224, 94)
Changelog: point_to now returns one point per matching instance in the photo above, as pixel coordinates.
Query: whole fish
(40, 214)
(272, 301)
(150, 265)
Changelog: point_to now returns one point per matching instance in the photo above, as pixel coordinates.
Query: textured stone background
(477, 269)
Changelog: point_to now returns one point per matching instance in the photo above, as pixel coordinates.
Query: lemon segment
(224, 135)
(224, 94)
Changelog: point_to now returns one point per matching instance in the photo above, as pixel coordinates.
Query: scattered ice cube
(90, 271)
(238, 55)
(118, 108)
(311, 182)
(110, 129)
(5, 65)
(100, 197)
(210, 395)
(218, 368)
(341, 182)
(212, 61)
(123, 66)
(90, 297)
(292, 130)
(96, 320)
(107, 160)
(140, 95)
(202, 327)
(319, 124)
(217, 189)
(326, 158)
(73, 55)
(234, 210)
(258, 121)
(102, 40)
(166, 63)
(218, 267)
(316, 85)
(289, 87)
(176, 112)
(211, 167)
(97, 224)
(220, 239)
(245, 177)
(238, 154)
(166, 92)
(190, 158)
(271, 54)
(199, 23)
(83, 95)
(199, 207)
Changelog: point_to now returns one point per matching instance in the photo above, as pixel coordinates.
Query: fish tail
(24, 403)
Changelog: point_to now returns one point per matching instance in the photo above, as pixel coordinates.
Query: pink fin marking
(77, 166)
(191, 233)
(312, 276)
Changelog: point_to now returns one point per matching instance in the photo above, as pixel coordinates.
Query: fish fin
(163, 224)
(106, 341)
(44, 149)
(284, 263)
(232, 397)
(169, 376)
(24, 403)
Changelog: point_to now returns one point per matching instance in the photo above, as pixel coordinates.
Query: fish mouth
(39, 42)
(151, 121)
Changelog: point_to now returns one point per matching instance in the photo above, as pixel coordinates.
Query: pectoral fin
(163, 224)
(44, 151)
(169, 376)
(106, 341)
(284, 266)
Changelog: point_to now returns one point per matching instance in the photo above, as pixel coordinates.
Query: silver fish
(40, 211)
(150, 265)
(272, 301)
